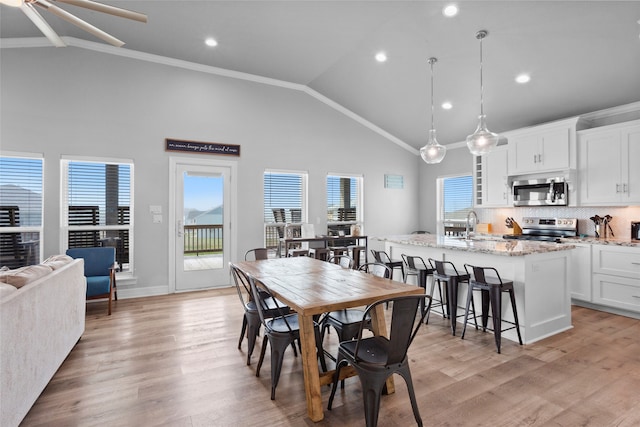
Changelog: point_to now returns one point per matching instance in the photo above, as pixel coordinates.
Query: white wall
(72, 101)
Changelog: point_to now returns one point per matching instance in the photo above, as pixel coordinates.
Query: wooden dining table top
(313, 286)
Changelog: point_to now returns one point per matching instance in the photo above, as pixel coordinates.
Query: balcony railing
(202, 239)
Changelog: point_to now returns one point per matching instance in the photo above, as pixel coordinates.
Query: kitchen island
(540, 272)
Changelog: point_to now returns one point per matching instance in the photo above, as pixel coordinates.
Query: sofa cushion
(57, 261)
(6, 289)
(23, 275)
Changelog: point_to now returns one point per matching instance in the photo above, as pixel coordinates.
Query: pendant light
(432, 152)
(482, 140)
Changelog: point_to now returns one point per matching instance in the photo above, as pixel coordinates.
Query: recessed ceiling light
(447, 105)
(450, 10)
(523, 78)
(381, 57)
(211, 42)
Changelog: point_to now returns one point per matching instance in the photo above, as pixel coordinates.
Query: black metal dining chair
(280, 332)
(251, 320)
(376, 358)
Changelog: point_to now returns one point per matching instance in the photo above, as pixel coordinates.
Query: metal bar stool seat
(491, 288)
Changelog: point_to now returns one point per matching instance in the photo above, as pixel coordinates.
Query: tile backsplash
(620, 224)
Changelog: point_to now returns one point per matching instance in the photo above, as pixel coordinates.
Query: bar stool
(383, 258)
(415, 266)
(491, 288)
(446, 271)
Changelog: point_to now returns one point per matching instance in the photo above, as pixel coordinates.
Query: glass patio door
(202, 238)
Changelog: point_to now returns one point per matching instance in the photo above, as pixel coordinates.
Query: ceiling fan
(29, 7)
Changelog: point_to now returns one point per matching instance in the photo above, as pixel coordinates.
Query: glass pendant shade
(433, 152)
(482, 140)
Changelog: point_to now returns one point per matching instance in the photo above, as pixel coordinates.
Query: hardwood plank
(173, 361)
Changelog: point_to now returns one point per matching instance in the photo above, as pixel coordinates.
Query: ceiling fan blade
(105, 8)
(37, 19)
(61, 13)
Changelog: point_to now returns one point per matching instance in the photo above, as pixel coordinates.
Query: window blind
(21, 186)
(283, 196)
(457, 197)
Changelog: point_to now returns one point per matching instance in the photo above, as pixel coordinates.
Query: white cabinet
(580, 276)
(607, 165)
(544, 148)
(491, 186)
(616, 276)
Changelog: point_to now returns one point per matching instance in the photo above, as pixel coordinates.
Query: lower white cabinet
(580, 276)
(616, 277)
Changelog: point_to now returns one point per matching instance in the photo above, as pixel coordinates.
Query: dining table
(312, 287)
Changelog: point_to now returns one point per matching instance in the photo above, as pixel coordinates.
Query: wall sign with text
(201, 147)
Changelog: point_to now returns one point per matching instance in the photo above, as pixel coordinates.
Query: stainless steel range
(546, 229)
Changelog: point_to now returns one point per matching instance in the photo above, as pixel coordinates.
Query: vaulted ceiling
(582, 56)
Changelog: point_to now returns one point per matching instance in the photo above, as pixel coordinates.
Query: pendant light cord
(431, 61)
(481, 35)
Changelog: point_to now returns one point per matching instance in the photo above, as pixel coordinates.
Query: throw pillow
(57, 261)
(23, 275)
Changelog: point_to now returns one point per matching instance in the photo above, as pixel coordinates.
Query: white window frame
(359, 200)
(30, 229)
(64, 206)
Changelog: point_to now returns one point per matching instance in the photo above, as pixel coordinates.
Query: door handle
(180, 229)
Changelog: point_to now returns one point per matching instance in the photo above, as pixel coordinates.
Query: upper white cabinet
(491, 183)
(608, 165)
(544, 148)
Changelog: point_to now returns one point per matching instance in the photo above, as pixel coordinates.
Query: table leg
(310, 368)
(452, 302)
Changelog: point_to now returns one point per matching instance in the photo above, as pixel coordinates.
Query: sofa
(42, 317)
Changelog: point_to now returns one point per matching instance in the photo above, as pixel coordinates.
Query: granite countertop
(601, 241)
(489, 244)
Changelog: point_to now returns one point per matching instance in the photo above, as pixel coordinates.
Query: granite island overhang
(540, 272)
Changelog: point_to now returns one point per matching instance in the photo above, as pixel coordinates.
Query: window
(456, 200)
(97, 208)
(344, 203)
(20, 210)
(285, 202)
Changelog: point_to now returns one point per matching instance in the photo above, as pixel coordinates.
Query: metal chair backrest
(242, 285)
(381, 256)
(259, 292)
(442, 267)
(480, 274)
(377, 269)
(414, 262)
(403, 328)
(345, 261)
(258, 254)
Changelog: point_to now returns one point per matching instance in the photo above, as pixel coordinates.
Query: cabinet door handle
(535, 158)
(624, 188)
(635, 263)
(617, 188)
(635, 296)
(539, 158)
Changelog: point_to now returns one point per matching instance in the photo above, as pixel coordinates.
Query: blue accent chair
(99, 270)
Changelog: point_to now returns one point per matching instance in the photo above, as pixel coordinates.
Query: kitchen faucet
(467, 228)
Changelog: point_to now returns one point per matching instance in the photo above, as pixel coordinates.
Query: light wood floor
(173, 361)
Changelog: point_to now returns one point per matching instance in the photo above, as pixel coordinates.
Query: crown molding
(178, 63)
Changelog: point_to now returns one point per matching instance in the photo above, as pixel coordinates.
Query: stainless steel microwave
(541, 192)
